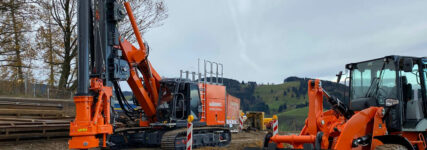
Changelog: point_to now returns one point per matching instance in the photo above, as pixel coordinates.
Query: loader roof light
(391, 102)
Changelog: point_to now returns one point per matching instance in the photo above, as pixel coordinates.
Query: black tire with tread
(391, 147)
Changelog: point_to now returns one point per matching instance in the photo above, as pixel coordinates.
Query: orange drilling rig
(387, 109)
(161, 105)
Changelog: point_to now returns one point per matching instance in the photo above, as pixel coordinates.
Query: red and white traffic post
(241, 121)
(190, 132)
(276, 129)
(275, 125)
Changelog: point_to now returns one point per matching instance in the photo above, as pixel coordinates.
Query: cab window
(376, 79)
(195, 100)
(412, 84)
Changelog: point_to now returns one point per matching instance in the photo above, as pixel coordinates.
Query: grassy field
(292, 120)
(274, 97)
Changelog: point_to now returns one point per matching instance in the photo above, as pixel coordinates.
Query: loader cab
(393, 77)
(178, 98)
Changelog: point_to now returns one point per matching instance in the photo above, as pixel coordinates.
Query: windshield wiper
(375, 85)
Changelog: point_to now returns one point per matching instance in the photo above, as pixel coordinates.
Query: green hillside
(292, 120)
(288, 100)
(279, 95)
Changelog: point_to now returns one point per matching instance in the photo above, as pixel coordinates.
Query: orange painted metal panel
(233, 109)
(215, 104)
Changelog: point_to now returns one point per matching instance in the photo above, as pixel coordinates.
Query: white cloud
(268, 41)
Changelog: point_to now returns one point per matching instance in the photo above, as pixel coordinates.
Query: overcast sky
(268, 40)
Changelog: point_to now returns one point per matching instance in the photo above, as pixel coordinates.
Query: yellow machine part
(255, 120)
(267, 121)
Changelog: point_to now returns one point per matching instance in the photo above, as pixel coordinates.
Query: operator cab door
(187, 101)
(413, 96)
(180, 102)
(194, 101)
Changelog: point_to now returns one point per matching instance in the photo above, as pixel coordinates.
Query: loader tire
(391, 147)
(267, 139)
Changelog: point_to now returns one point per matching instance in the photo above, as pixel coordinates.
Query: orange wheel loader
(387, 109)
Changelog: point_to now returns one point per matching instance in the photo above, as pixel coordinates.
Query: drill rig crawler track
(173, 138)
(204, 136)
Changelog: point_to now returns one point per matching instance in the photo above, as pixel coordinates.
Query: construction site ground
(239, 141)
(50, 139)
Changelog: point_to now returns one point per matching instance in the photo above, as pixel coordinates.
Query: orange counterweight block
(86, 126)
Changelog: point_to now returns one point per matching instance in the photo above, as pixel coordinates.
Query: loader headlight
(391, 102)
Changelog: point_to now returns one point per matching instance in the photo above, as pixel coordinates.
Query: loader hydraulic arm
(340, 123)
(338, 106)
(315, 95)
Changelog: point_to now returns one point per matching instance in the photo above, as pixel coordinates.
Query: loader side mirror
(391, 102)
(408, 64)
(339, 75)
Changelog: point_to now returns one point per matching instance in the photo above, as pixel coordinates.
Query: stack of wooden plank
(22, 119)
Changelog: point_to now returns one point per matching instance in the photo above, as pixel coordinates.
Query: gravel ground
(239, 141)
(54, 144)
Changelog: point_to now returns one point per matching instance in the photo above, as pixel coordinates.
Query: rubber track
(168, 139)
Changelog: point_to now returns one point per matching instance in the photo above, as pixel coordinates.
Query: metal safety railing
(213, 73)
(208, 70)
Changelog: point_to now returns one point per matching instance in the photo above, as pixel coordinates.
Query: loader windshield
(375, 79)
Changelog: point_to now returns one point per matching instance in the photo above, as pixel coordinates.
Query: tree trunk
(68, 47)
(65, 72)
(51, 53)
(17, 47)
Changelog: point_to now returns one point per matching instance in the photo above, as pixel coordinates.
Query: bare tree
(49, 42)
(57, 36)
(4, 6)
(16, 52)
